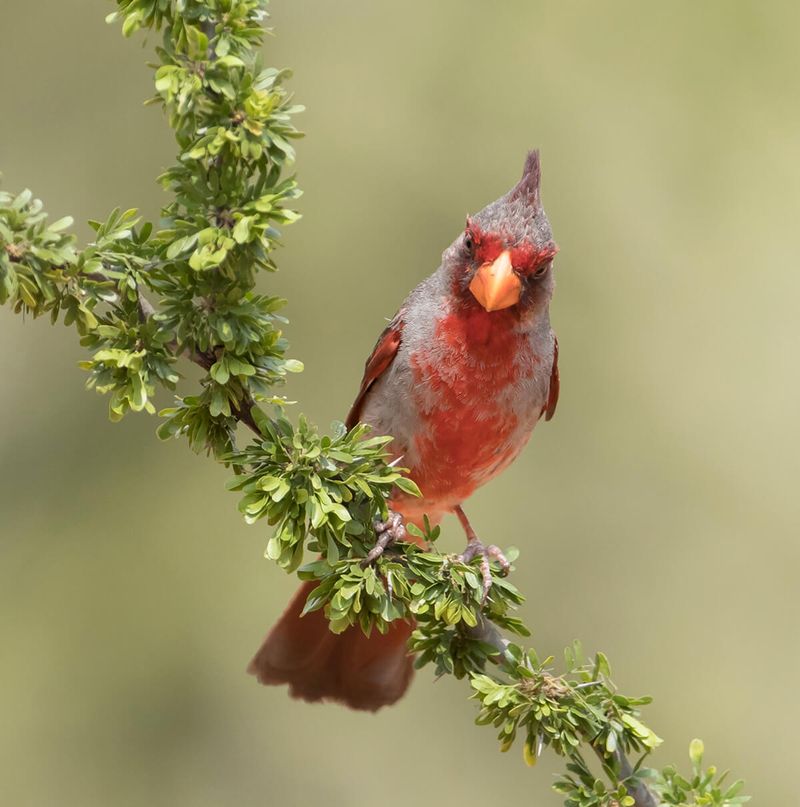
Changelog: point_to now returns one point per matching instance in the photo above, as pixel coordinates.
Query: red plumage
(362, 672)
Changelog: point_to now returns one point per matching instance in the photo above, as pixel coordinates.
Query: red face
(526, 258)
(503, 266)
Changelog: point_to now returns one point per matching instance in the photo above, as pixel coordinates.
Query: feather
(379, 360)
(555, 384)
(361, 672)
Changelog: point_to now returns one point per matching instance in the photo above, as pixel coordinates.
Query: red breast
(468, 431)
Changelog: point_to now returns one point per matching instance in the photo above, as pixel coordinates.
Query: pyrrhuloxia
(459, 379)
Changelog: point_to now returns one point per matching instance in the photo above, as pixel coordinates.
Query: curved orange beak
(496, 285)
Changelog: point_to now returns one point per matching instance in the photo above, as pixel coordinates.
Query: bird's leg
(487, 553)
(386, 533)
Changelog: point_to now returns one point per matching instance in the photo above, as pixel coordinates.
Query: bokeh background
(658, 513)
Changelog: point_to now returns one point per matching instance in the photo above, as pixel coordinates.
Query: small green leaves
(130, 356)
(704, 789)
(408, 582)
(232, 122)
(646, 736)
(192, 418)
(591, 792)
(565, 712)
(338, 484)
(36, 260)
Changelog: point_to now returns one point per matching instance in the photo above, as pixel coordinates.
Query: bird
(459, 378)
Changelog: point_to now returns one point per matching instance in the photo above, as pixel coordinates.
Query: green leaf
(696, 750)
(408, 486)
(181, 246)
(293, 366)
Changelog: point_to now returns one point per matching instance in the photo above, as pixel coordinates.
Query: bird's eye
(541, 269)
(468, 242)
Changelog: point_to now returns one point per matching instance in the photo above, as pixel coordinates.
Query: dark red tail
(360, 672)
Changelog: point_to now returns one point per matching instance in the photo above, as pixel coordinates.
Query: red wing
(381, 357)
(555, 384)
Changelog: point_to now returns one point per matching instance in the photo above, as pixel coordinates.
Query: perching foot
(386, 532)
(487, 554)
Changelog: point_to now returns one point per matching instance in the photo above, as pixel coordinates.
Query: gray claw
(387, 532)
(487, 554)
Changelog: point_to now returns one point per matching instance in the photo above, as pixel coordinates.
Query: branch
(641, 793)
(488, 633)
(242, 411)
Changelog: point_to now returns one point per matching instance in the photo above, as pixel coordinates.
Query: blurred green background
(658, 513)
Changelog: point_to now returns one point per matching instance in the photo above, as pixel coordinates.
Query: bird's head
(504, 257)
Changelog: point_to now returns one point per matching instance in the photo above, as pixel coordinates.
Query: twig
(641, 793)
(487, 632)
(243, 411)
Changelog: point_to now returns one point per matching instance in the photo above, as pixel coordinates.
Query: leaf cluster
(328, 489)
(561, 711)
(38, 263)
(441, 594)
(704, 788)
(232, 123)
